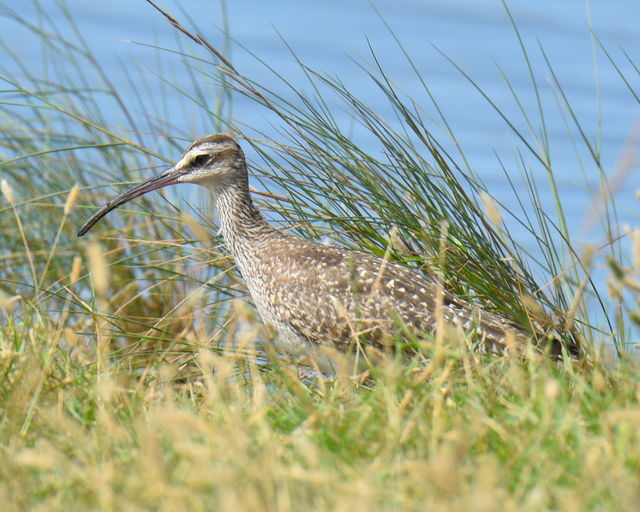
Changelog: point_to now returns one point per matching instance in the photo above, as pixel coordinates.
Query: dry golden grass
(457, 432)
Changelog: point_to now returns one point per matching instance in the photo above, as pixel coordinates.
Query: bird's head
(215, 161)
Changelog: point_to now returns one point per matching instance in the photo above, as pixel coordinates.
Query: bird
(318, 295)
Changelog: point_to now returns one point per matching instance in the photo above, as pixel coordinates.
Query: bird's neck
(241, 223)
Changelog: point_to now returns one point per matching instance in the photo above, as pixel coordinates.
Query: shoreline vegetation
(135, 374)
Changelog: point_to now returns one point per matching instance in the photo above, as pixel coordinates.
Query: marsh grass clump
(136, 376)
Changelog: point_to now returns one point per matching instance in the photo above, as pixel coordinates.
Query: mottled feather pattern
(325, 294)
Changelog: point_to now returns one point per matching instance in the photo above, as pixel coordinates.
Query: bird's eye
(200, 160)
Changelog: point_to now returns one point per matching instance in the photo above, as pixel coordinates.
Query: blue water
(478, 36)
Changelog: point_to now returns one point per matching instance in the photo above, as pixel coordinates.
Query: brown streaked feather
(330, 293)
(217, 138)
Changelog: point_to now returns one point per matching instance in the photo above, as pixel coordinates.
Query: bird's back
(328, 294)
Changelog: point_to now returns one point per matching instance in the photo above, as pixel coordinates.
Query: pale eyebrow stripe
(184, 161)
(188, 158)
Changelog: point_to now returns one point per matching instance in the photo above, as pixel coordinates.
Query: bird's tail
(493, 333)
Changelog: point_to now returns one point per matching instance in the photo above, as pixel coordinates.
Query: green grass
(136, 376)
(469, 433)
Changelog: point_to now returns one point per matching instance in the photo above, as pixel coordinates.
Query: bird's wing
(327, 293)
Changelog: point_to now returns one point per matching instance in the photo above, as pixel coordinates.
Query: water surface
(478, 36)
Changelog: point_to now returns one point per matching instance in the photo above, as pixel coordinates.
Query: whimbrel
(315, 294)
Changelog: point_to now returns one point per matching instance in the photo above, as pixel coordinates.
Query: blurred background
(337, 37)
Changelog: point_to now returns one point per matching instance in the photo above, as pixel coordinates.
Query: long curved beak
(165, 179)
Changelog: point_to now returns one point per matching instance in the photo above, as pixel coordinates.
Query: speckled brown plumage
(315, 294)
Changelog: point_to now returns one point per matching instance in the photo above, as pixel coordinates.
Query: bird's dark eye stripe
(201, 160)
